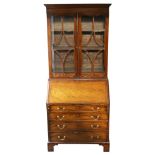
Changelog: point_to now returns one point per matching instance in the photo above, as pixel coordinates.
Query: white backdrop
(24, 74)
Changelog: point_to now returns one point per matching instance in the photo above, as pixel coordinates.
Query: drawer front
(81, 126)
(62, 107)
(92, 116)
(78, 137)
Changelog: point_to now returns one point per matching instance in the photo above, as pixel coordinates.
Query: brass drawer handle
(60, 117)
(95, 137)
(61, 138)
(95, 108)
(60, 108)
(95, 117)
(94, 126)
(61, 126)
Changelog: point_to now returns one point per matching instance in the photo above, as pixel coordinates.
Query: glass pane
(62, 44)
(92, 43)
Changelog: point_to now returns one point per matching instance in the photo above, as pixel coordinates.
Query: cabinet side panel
(106, 45)
(49, 45)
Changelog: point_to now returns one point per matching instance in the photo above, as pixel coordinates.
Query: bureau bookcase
(78, 91)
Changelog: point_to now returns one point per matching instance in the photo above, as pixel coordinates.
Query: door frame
(105, 53)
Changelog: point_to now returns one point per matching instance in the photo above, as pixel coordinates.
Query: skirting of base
(106, 146)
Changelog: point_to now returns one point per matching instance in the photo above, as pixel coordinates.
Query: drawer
(77, 136)
(77, 107)
(72, 116)
(82, 126)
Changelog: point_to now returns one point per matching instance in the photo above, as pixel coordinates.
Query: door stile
(75, 46)
(79, 46)
(106, 46)
(49, 27)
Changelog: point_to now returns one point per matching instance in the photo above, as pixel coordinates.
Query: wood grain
(78, 91)
(78, 103)
(78, 126)
(76, 116)
(78, 107)
(78, 136)
(77, 11)
(49, 45)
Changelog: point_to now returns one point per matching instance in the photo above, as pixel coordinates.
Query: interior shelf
(92, 48)
(67, 48)
(64, 48)
(83, 32)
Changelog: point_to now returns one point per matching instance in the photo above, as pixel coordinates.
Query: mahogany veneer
(78, 90)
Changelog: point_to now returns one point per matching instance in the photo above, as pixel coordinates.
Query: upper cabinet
(78, 42)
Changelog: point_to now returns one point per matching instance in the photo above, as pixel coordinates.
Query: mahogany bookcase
(78, 93)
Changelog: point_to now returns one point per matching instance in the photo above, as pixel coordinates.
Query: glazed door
(77, 45)
(63, 46)
(91, 45)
